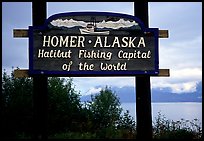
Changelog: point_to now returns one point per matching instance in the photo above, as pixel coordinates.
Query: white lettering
(54, 41)
(85, 66)
(46, 41)
(124, 40)
(116, 41)
(131, 42)
(117, 66)
(64, 41)
(141, 42)
(98, 41)
(134, 55)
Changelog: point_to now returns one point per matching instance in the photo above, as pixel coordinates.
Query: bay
(172, 110)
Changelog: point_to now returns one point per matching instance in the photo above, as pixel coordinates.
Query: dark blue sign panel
(93, 43)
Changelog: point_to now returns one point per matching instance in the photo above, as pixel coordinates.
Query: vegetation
(68, 118)
(182, 129)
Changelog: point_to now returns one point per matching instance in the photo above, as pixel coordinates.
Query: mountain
(165, 96)
(128, 94)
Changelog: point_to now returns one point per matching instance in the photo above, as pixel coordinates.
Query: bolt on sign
(93, 43)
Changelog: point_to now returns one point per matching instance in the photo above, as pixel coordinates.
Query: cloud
(180, 80)
(186, 87)
(93, 90)
(181, 54)
(116, 7)
(175, 16)
(193, 74)
(84, 84)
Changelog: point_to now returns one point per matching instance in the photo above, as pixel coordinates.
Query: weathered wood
(24, 73)
(23, 33)
(21, 73)
(164, 72)
(163, 34)
(20, 33)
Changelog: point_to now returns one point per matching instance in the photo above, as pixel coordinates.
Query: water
(172, 111)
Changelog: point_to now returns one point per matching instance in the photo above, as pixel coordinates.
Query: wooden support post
(40, 92)
(40, 102)
(143, 108)
(143, 89)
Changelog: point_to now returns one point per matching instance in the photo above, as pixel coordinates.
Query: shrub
(182, 129)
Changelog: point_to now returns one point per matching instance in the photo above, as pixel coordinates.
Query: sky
(181, 52)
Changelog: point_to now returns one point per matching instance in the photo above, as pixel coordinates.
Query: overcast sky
(181, 52)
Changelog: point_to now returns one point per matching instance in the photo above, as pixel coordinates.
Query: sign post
(143, 88)
(40, 92)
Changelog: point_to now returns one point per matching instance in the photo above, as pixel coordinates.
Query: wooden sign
(93, 43)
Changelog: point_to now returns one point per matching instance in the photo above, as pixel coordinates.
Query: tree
(64, 105)
(107, 116)
(100, 117)
(16, 101)
(16, 105)
(106, 109)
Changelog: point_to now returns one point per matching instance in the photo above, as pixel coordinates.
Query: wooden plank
(24, 73)
(22, 33)
(164, 72)
(163, 34)
(21, 73)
